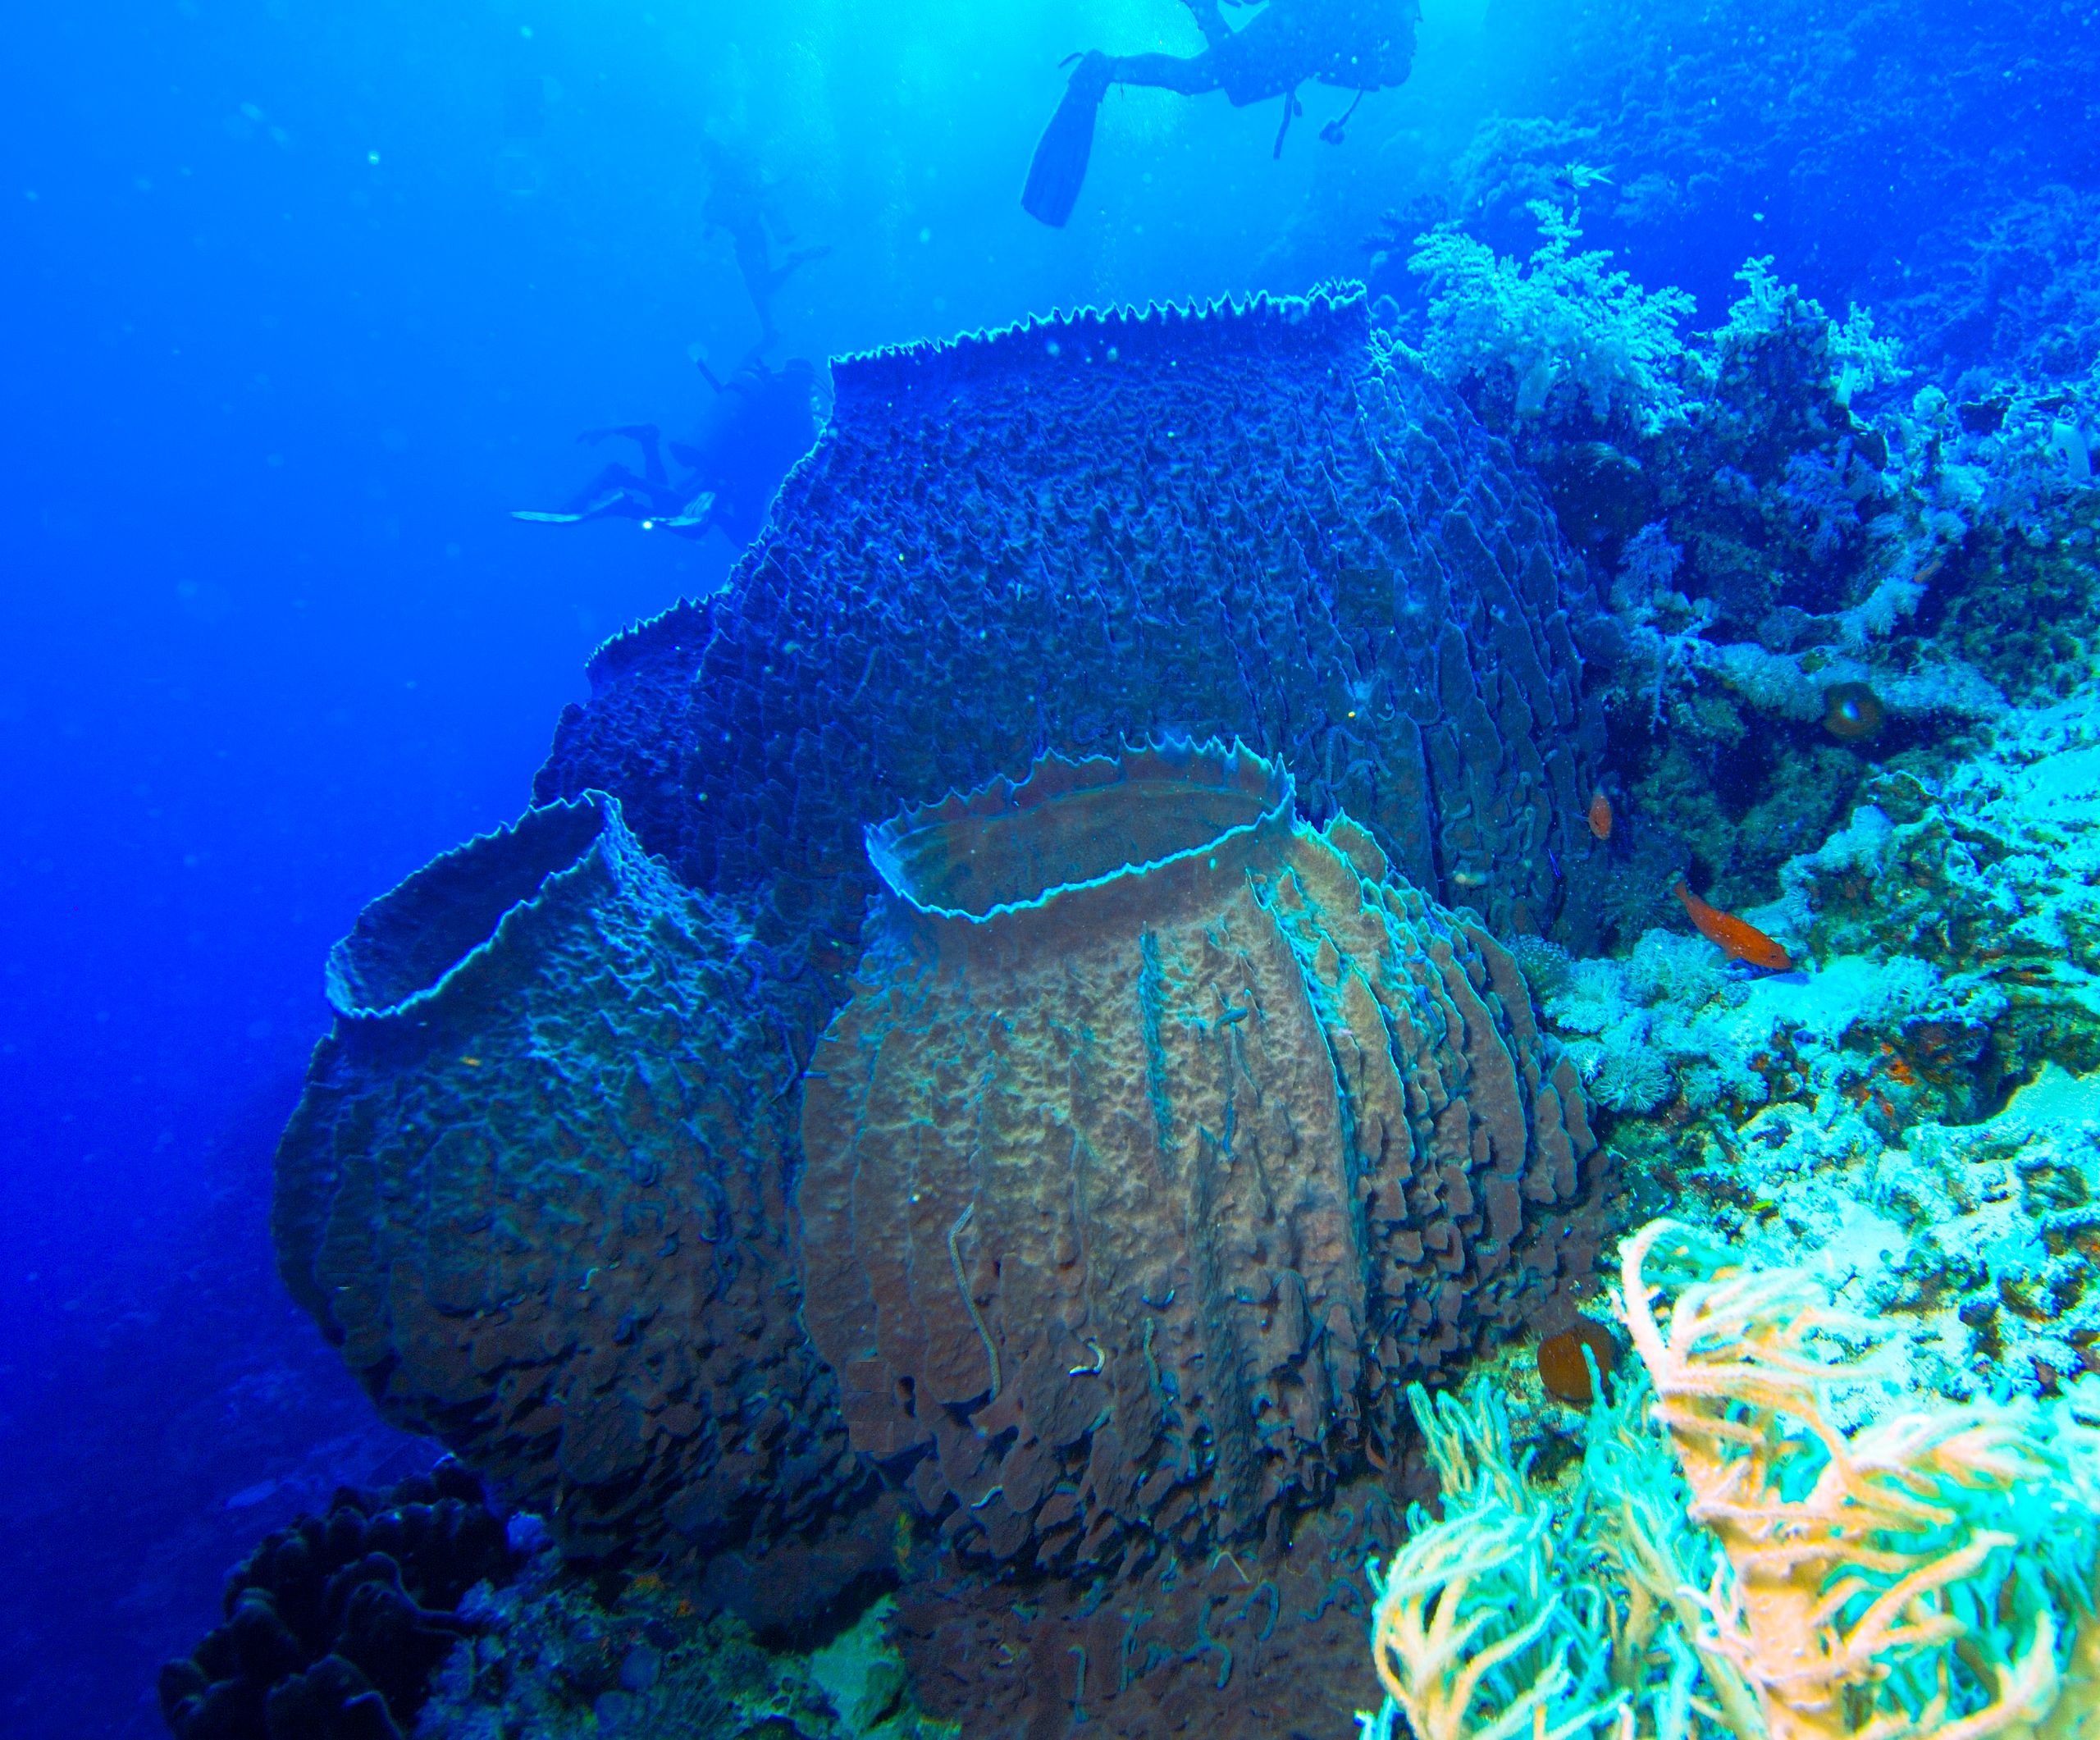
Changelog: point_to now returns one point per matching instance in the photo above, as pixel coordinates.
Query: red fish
(1744, 941)
(1601, 816)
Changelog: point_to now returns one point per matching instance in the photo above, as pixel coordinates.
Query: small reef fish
(1601, 816)
(1744, 941)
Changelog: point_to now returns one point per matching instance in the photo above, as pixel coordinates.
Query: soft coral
(1737, 1563)
(1905, 1580)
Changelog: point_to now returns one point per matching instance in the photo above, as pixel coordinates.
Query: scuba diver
(758, 424)
(739, 202)
(1358, 45)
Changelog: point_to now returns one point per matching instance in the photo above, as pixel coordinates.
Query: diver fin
(1059, 171)
(597, 508)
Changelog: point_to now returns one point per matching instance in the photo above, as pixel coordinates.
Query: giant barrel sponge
(1261, 522)
(537, 1187)
(535, 1190)
(1163, 1140)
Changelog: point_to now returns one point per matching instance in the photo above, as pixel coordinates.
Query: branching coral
(1661, 1561)
(1733, 1563)
(1666, 1021)
(1521, 1612)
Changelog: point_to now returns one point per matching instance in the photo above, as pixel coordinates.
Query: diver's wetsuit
(1358, 45)
(760, 422)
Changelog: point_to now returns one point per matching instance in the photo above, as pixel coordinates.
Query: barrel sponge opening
(1075, 823)
(405, 941)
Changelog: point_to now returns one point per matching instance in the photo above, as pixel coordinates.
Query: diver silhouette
(740, 202)
(757, 425)
(1357, 45)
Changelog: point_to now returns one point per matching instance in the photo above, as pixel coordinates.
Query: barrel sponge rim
(368, 980)
(1235, 770)
(872, 384)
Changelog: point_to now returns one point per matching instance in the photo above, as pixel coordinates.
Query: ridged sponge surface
(536, 1191)
(1258, 522)
(1135, 1192)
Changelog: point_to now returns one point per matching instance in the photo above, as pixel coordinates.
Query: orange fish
(1746, 941)
(1600, 816)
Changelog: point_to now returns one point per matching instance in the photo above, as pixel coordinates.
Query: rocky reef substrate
(1914, 1117)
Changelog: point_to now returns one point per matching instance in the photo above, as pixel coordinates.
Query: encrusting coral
(1988, 872)
(1956, 918)
(1974, 1245)
(1914, 1116)
(1733, 1563)
(558, 1657)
